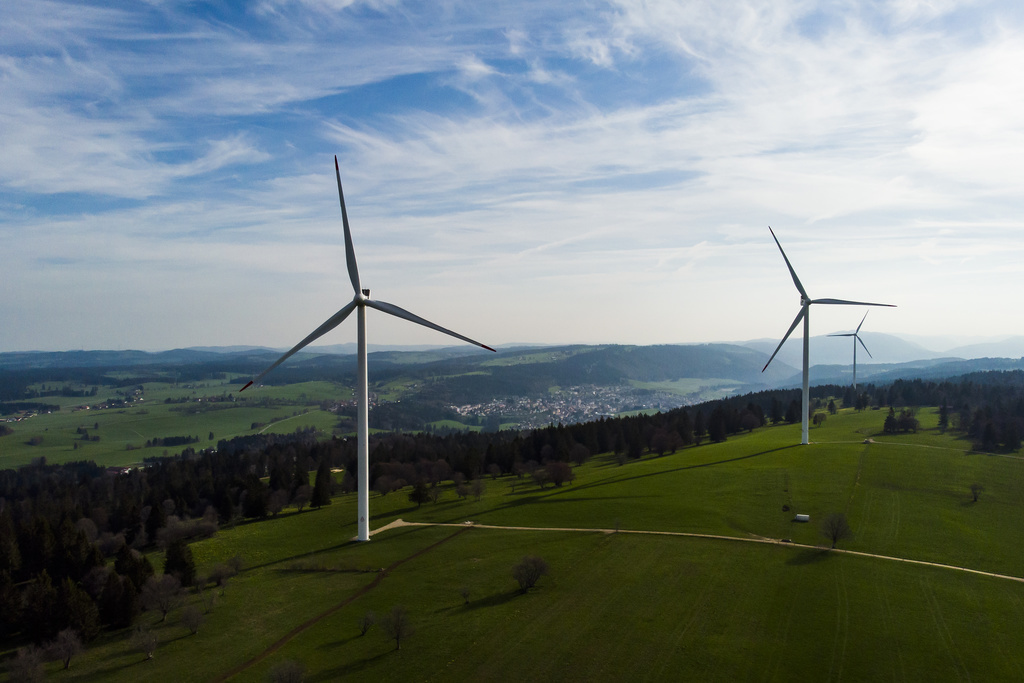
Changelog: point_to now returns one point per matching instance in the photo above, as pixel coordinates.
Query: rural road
(771, 541)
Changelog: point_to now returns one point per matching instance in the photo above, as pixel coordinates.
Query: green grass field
(119, 428)
(629, 605)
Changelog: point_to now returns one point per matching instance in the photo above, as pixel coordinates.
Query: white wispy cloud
(566, 161)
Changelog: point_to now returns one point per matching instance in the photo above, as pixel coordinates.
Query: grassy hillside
(653, 606)
(123, 431)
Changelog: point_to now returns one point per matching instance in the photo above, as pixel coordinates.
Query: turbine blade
(796, 280)
(844, 334)
(412, 317)
(857, 336)
(329, 325)
(862, 321)
(792, 327)
(350, 252)
(849, 303)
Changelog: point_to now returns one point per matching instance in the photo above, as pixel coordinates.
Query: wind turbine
(360, 302)
(856, 338)
(805, 311)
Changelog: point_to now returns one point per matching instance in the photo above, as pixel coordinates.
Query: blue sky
(520, 171)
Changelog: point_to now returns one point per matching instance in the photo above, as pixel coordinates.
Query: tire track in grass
(943, 630)
(778, 655)
(344, 603)
(842, 634)
(1013, 599)
(891, 625)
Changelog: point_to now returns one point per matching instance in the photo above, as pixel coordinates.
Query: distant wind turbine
(359, 302)
(805, 310)
(856, 338)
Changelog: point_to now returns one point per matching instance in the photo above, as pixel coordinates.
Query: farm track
(756, 539)
(323, 615)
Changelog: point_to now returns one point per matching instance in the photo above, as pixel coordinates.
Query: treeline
(171, 441)
(12, 407)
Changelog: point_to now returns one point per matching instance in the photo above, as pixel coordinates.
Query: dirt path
(381, 575)
(754, 539)
(466, 526)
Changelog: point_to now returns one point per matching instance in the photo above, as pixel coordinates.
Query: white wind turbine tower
(805, 310)
(359, 302)
(856, 338)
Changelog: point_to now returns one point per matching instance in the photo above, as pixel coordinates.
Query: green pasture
(713, 388)
(631, 605)
(131, 426)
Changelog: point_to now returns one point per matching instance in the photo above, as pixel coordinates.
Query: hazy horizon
(938, 344)
(582, 174)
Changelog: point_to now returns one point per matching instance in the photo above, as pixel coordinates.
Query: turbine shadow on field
(528, 499)
(686, 467)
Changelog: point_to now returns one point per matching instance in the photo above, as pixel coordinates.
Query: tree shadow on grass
(490, 601)
(339, 673)
(809, 556)
(337, 643)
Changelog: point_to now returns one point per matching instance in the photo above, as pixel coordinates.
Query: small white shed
(802, 518)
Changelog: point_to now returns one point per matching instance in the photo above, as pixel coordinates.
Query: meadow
(197, 410)
(618, 604)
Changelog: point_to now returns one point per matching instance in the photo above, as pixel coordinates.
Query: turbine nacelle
(360, 300)
(805, 312)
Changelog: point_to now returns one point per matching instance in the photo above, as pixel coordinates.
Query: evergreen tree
(40, 609)
(301, 475)
(77, 610)
(10, 556)
(156, 520)
(322, 486)
(10, 606)
(419, 494)
(133, 566)
(179, 562)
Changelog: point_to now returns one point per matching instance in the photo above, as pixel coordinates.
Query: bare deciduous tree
(278, 499)
(27, 665)
(289, 671)
(528, 571)
(144, 640)
(302, 496)
(397, 625)
(976, 491)
(835, 528)
(161, 593)
(65, 646)
(192, 618)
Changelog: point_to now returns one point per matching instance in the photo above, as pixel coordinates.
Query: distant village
(570, 405)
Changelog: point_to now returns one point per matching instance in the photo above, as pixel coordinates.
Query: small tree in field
(397, 625)
(835, 528)
(27, 665)
(528, 571)
(976, 490)
(65, 646)
(192, 618)
(162, 594)
(144, 640)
